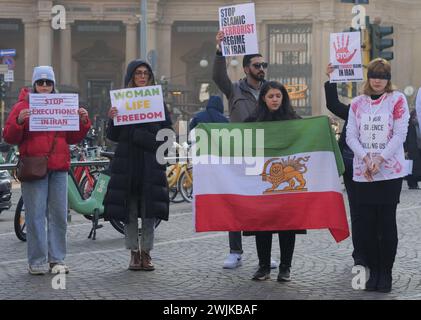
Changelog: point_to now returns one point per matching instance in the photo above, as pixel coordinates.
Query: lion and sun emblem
(290, 171)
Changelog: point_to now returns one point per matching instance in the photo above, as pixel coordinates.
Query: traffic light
(2, 87)
(379, 43)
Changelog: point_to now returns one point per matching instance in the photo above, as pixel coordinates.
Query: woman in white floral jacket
(376, 130)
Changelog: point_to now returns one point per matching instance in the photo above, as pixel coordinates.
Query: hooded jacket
(135, 172)
(214, 113)
(241, 102)
(39, 143)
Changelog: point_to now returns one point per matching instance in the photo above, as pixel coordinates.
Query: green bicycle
(91, 207)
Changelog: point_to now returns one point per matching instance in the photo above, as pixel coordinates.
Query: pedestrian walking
(138, 185)
(214, 113)
(45, 199)
(412, 149)
(342, 110)
(242, 102)
(274, 105)
(376, 130)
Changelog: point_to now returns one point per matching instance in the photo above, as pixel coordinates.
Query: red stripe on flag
(292, 211)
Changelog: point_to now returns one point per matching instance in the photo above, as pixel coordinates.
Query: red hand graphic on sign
(343, 55)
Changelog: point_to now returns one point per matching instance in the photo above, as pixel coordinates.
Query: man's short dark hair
(247, 58)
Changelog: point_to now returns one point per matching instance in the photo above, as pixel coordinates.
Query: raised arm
(220, 74)
(333, 104)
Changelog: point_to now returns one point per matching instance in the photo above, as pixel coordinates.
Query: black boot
(372, 283)
(385, 281)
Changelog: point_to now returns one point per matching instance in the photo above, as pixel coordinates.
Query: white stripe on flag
(321, 175)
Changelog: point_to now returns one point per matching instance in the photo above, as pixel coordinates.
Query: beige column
(320, 59)
(66, 55)
(163, 49)
(45, 41)
(131, 41)
(403, 49)
(31, 48)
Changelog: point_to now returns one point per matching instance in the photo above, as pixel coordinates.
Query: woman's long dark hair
(285, 112)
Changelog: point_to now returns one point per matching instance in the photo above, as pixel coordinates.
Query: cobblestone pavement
(189, 264)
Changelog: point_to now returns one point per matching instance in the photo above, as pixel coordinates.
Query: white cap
(43, 72)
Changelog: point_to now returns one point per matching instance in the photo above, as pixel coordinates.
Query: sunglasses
(263, 65)
(142, 73)
(42, 82)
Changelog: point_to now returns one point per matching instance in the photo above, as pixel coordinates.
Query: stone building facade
(100, 37)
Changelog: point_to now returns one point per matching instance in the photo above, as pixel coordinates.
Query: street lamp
(143, 25)
(203, 63)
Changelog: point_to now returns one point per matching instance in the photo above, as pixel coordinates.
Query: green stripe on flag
(267, 139)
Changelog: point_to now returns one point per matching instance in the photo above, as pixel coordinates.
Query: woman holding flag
(274, 105)
(376, 130)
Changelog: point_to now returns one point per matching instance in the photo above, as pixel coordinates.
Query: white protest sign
(374, 132)
(239, 26)
(54, 112)
(345, 56)
(138, 105)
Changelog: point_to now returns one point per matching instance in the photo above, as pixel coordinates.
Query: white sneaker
(56, 268)
(232, 261)
(273, 264)
(37, 270)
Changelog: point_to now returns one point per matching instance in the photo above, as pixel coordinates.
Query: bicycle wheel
(85, 187)
(174, 194)
(185, 185)
(119, 225)
(19, 221)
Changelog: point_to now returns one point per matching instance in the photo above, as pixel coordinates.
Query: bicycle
(85, 175)
(91, 207)
(180, 179)
(12, 156)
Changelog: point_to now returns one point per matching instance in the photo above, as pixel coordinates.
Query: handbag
(33, 168)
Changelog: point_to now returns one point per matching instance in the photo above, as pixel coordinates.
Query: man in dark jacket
(242, 95)
(242, 102)
(214, 113)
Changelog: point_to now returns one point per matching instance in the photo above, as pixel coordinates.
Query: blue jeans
(131, 230)
(46, 218)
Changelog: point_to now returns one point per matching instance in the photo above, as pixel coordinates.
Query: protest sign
(345, 56)
(54, 112)
(138, 105)
(239, 26)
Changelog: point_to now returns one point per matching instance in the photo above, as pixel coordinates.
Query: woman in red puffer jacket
(45, 199)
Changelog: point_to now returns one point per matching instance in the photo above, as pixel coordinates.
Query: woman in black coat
(274, 105)
(138, 186)
(412, 147)
(341, 110)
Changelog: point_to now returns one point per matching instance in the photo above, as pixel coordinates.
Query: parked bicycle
(91, 207)
(12, 156)
(180, 178)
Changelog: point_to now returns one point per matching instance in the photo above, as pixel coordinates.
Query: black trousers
(264, 247)
(235, 241)
(380, 235)
(412, 181)
(356, 221)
